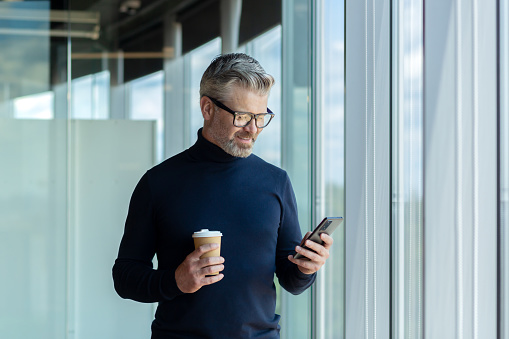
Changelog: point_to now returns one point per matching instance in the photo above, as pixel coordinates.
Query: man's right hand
(191, 275)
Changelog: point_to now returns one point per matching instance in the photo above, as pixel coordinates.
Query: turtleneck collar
(205, 150)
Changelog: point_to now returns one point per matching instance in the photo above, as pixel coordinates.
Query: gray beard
(232, 149)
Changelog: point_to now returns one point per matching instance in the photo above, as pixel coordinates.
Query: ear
(207, 108)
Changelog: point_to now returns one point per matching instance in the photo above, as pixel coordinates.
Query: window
(266, 48)
(330, 167)
(195, 63)
(407, 169)
(90, 96)
(37, 106)
(33, 178)
(146, 103)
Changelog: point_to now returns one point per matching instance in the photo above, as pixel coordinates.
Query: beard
(220, 133)
(239, 150)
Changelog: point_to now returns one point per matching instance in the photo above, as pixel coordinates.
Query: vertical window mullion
(504, 168)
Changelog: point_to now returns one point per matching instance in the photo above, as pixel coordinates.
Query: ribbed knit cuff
(303, 276)
(169, 289)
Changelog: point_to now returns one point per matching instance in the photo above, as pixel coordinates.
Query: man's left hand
(317, 256)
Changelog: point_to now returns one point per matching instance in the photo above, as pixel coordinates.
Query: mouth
(245, 139)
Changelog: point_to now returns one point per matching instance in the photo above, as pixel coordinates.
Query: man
(217, 184)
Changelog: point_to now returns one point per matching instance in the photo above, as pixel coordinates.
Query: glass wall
(296, 143)
(33, 194)
(368, 168)
(77, 83)
(407, 169)
(330, 155)
(266, 48)
(195, 63)
(145, 102)
(35, 106)
(91, 96)
(460, 177)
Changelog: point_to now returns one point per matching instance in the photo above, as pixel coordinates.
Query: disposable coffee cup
(205, 236)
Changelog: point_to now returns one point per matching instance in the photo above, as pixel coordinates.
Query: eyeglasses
(242, 119)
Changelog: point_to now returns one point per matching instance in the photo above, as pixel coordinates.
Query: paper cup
(205, 236)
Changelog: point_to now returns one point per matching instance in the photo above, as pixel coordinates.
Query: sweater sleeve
(289, 275)
(133, 273)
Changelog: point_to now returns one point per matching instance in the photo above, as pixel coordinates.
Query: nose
(251, 127)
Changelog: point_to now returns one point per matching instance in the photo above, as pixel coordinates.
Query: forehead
(245, 100)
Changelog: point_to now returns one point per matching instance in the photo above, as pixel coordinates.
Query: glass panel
(146, 103)
(196, 62)
(117, 80)
(90, 96)
(267, 50)
(407, 150)
(504, 165)
(296, 157)
(33, 179)
(35, 106)
(331, 293)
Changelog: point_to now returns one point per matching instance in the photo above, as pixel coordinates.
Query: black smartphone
(328, 225)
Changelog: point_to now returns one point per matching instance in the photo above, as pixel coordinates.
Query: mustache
(246, 135)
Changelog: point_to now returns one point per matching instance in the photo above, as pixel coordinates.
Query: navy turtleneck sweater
(252, 203)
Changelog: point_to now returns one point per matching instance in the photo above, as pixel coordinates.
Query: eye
(261, 118)
(242, 118)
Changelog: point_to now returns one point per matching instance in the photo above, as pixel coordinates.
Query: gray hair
(235, 69)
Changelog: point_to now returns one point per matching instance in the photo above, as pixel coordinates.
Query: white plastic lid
(203, 233)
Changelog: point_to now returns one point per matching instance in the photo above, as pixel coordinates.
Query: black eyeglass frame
(253, 115)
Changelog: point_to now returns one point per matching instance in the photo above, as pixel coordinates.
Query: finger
(212, 279)
(306, 266)
(313, 256)
(209, 261)
(327, 239)
(205, 248)
(320, 249)
(209, 270)
(295, 261)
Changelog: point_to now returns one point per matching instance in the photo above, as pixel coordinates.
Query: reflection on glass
(116, 61)
(407, 170)
(267, 50)
(330, 303)
(90, 96)
(32, 177)
(24, 54)
(36, 106)
(146, 103)
(195, 63)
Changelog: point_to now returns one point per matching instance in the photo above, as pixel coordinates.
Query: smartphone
(328, 225)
